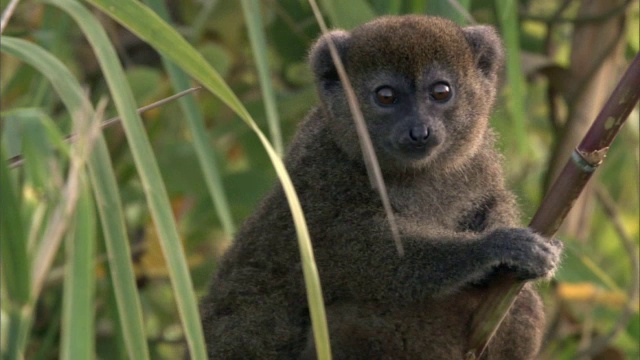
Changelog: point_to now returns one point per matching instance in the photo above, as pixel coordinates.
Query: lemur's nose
(419, 134)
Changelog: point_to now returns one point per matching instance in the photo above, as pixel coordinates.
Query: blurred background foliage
(564, 59)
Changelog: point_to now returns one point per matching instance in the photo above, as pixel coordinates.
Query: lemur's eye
(440, 92)
(386, 96)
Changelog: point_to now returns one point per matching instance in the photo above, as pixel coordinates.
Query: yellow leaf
(588, 292)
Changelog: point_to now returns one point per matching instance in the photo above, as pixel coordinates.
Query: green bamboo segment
(146, 164)
(195, 120)
(253, 20)
(105, 192)
(78, 330)
(169, 43)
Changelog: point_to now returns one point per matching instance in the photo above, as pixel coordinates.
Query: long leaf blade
(15, 263)
(253, 19)
(195, 121)
(508, 17)
(147, 167)
(78, 340)
(105, 192)
(170, 44)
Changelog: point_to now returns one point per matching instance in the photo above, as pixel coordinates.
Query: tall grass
(149, 26)
(69, 229)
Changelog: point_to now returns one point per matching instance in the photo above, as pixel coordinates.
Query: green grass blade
(147, 167)
(15, 263)
(107, 198)
(253, 19)
(40, 138)
(198, 131)
(117, 243)
(60, 77)
(117, 344)
(105, 191)
(20, 321)
(78, 337)
(446, 9)
(51, 130)
(37, 147)
(508, 18)
(15, 266)
(347, 14)
(52, 236)
(393, 7)
(420, 6)
(162, 37)
(149, 27)
(50, 341)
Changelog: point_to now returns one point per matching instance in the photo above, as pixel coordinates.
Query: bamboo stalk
(559, 200)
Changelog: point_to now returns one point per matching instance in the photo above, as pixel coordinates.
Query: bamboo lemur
(426, 88)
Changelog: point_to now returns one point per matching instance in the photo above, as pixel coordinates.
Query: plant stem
(559, 200)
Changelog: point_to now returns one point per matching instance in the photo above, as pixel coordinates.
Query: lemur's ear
(322, 64)
(487, 49)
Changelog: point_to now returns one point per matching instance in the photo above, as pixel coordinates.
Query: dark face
(405, 115)
(424, 85)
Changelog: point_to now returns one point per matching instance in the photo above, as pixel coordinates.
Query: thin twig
(18, 160)
(148, 107)
(7, 13)
(368, 153)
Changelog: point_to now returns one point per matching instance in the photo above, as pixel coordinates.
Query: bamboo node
(588, 161)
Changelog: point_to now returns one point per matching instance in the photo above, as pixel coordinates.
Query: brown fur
(457, 220)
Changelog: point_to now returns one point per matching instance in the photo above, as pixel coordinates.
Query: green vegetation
(110, 237)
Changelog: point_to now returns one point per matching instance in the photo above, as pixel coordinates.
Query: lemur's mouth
(417, 150)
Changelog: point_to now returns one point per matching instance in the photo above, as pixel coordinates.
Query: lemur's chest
(428, 205)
